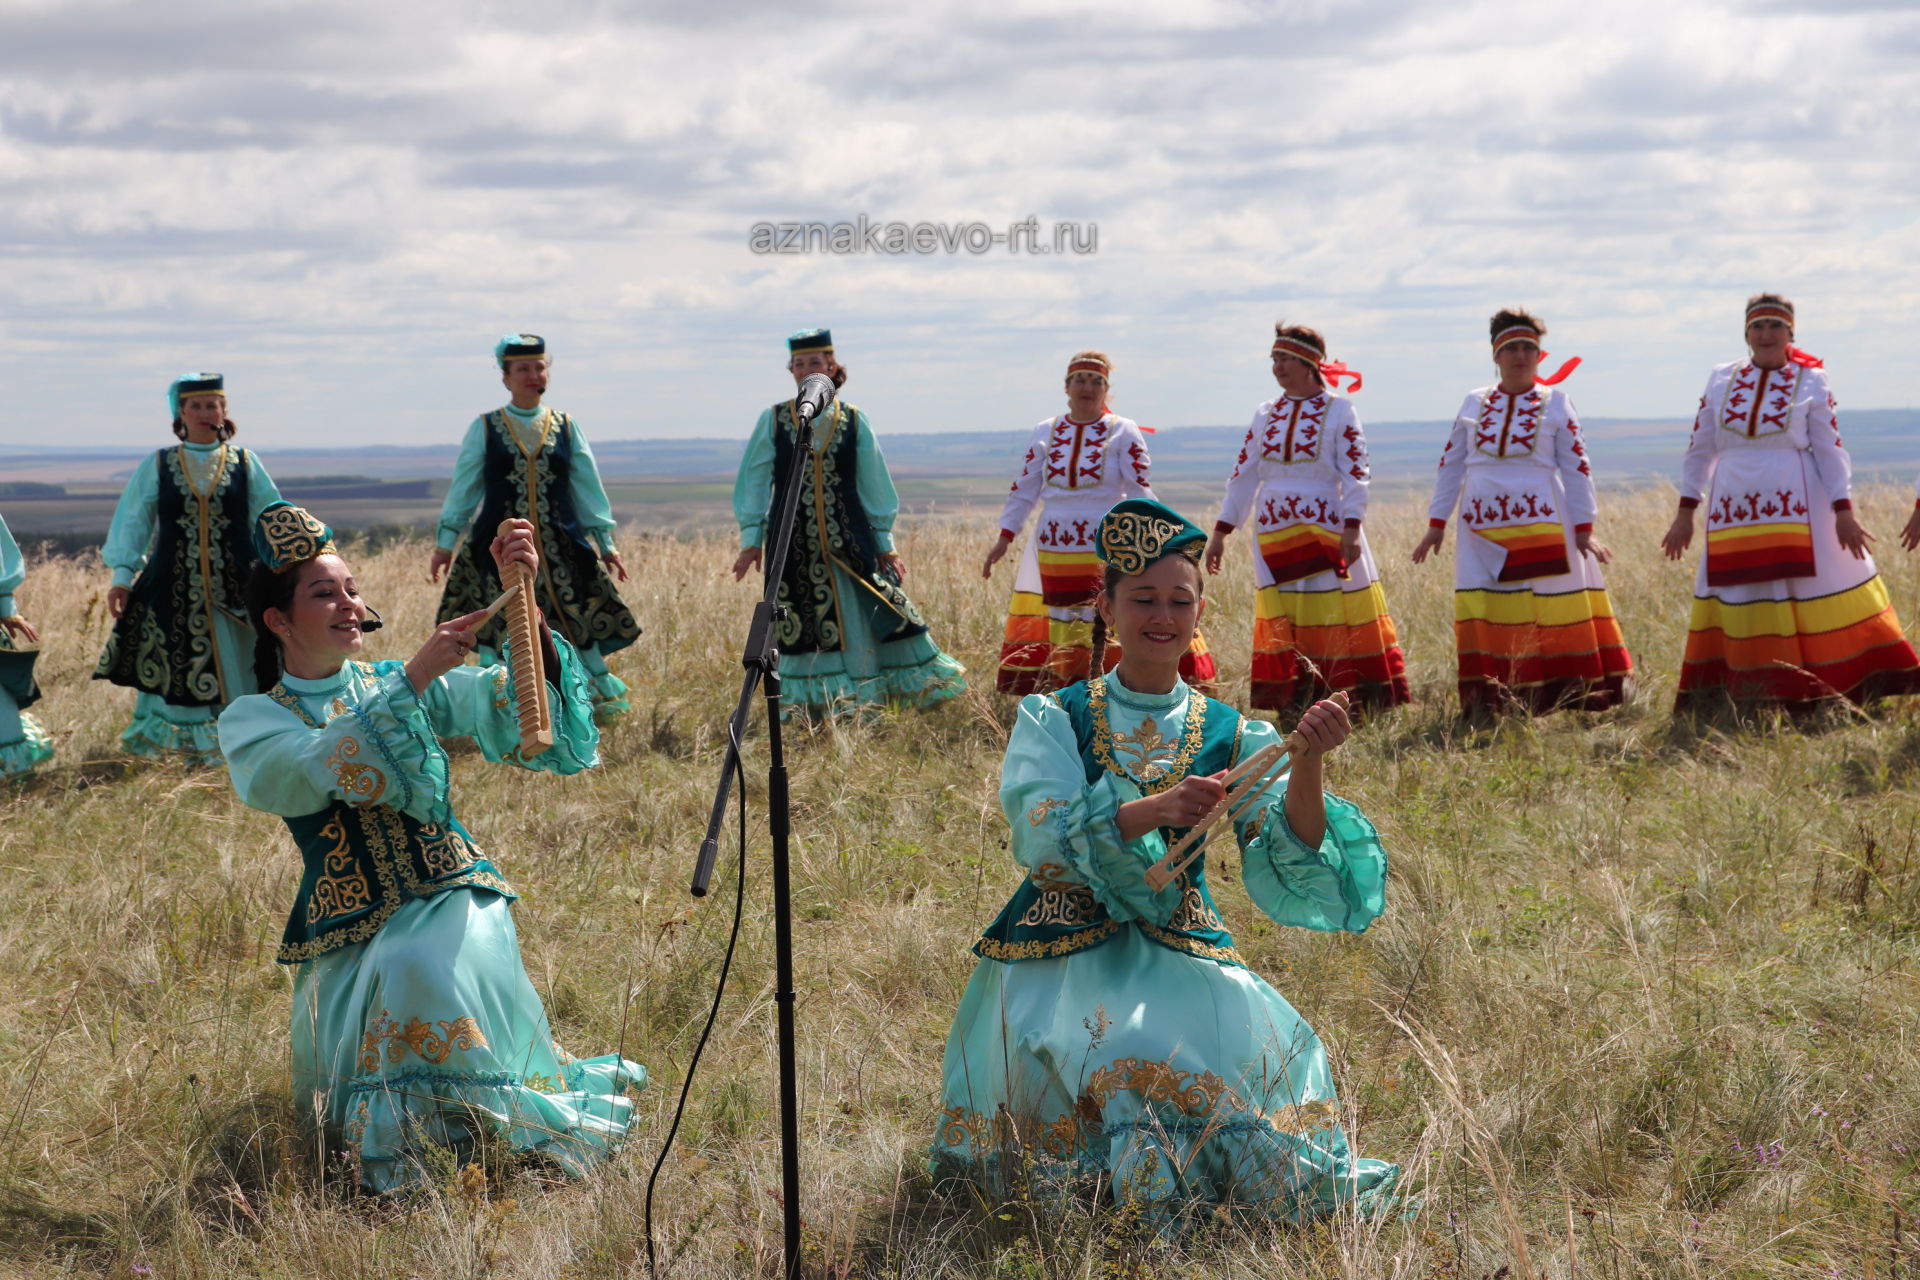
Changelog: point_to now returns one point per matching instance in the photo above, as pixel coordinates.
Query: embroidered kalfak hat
(519, 346)
(194, 384)
(1139, 531)
(285, 536)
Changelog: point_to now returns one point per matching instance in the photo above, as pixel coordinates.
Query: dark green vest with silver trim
(1057, 917)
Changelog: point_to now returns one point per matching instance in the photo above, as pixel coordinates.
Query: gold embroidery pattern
(542, 1084)
(291, 536)
(1044, 948)
(1073, 906)
(341, 888)
(1166, 775)
(1130, 541)
(362, 783)
(386, 837)
(444, 852)
(1192, 946)
(1192, 1093)
(1193, 914)
(427, 1044)
(1038, 814)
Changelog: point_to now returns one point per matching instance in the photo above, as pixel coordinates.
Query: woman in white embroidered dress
(1320, 621)
(1533, 627)
(1788, 608)
(1077, 466)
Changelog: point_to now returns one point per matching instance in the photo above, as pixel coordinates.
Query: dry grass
(1644, 1002)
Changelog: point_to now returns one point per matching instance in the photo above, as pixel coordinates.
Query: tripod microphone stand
(761, 658)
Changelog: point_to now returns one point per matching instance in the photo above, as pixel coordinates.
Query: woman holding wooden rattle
(1111, 1028)
(414, 1024)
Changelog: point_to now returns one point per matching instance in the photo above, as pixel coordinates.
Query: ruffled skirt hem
(27, 752)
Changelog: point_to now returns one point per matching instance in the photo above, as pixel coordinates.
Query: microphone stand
(761, 658)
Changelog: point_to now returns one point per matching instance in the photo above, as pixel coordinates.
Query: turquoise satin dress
(415, 1027)
(24, 745)
(1112, 1031)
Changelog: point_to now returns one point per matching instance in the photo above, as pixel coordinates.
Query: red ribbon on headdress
(1334, 370)
(1558, 375)
(1805, 358)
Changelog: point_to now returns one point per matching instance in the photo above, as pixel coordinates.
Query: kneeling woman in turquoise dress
(414, 1024)
(1113, 1031)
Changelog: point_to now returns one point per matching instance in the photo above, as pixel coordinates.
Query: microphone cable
(719, 990)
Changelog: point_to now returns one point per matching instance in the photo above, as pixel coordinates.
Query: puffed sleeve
(466, 488)
(13, 570)
(1576, 473)
(1072, 828)
(479, 703)
(1244, 484)
(1341, 886)
(753, 485)
(380, 750)
(1135, 463)
(590, 503)
(1026, 486)
(1696, 469)
(131, 530)
(1351, 464)
(1453, 464)
(262, 492)
(874, 484)
(1830, 458)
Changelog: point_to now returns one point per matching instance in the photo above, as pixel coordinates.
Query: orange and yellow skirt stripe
(1306, 644)
(1797, 652)
(1524, 650)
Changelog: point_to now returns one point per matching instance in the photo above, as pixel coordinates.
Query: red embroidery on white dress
(1076, 452)
(1298, 440)
(1509, 425)
(1752, 508)
(1760, 401)
(1503, 508)
(1293, 508)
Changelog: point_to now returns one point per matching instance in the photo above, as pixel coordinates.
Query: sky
(342, 205)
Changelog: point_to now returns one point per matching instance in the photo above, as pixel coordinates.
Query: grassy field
(1645, 1002)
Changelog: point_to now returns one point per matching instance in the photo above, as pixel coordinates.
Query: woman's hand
(1428, 544)
(437, 563)
(1587, 545)
(1350, 545)
(749, 558)
(20, 629)
(1181, 805)
(995, 554)
(613, 562)
(1679, 535)
(1216, 550)
(1853, 536)
(1324, 726)
(891, 561)
(117, 598)
(1910, 536)
(445, 649)
(516, 547)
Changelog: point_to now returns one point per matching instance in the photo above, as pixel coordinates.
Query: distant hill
(680, 484)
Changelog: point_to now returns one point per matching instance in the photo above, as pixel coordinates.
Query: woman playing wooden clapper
(1112, 1030)
(414, 1023)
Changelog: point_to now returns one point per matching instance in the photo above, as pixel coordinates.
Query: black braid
(267, 590)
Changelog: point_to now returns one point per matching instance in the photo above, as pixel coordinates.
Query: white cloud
(342, 204)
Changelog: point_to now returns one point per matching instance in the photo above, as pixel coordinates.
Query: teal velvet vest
(360, 862)
(1055, 917)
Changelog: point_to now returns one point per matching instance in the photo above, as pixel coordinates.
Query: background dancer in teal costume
(852, 637)
(180, 547)
(527, 461)
(1112, 1031)
(24, 745)
(413, 1019)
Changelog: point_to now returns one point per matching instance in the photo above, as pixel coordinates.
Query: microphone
(816, 393)
(371, 623)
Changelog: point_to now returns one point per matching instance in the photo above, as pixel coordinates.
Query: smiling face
(526, 378)
(1768, 338)
(1153, 614)
(321, 627)
(203, 414)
